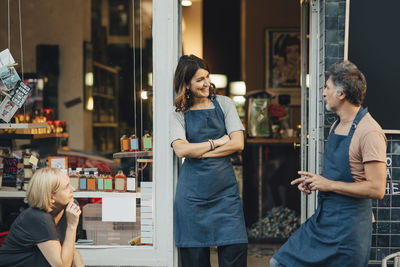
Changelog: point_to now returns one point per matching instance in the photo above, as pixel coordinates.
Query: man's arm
(236, 143)
(374, 185)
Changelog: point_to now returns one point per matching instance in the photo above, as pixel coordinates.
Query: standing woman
(44, 234)
(206, 130)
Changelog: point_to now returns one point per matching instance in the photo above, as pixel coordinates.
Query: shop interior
(89, 64)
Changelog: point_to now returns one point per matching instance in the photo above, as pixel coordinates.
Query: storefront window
(90, 112)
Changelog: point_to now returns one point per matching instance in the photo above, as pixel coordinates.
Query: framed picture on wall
(282, 62)
(58, 162)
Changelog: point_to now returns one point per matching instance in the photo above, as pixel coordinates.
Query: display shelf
(135, 154)
(79, 194)
(23, 125)
(32, 136)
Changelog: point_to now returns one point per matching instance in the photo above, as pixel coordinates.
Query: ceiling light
(186, 3)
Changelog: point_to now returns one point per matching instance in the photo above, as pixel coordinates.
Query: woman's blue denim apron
(339, 232)
(208, 211)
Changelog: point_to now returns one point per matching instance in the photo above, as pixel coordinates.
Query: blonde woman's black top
(31, 227)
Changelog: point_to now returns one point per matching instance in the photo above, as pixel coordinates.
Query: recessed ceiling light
(186, 3)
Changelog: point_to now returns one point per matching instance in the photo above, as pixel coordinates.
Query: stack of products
(92, 180)
(280, 222)
(131, 143)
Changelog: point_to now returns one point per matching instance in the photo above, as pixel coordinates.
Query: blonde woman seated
(44, 234)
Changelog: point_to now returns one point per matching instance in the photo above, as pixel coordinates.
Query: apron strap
(361, 113)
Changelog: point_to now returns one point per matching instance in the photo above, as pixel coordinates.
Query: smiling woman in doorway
(206, 130)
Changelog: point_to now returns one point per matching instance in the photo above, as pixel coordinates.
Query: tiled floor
(258, 255)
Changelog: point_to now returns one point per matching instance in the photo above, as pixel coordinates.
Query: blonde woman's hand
(221, 141)
(72, 212)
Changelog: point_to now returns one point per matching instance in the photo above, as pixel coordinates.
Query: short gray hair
(346, 77)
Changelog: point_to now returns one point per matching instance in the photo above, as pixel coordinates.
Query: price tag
(33, 160)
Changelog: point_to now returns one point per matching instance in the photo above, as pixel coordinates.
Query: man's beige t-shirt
(368, 144)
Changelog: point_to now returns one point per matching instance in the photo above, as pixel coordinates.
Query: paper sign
(33, 160)
(118, 209)
(10, 170)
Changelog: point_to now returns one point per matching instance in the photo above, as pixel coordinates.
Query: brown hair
(186, 69)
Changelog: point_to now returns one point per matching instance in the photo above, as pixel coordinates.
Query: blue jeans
(274, 263)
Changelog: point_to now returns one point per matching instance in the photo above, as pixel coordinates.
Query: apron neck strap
(360, 114)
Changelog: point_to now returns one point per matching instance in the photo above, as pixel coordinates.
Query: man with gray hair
(354, 172)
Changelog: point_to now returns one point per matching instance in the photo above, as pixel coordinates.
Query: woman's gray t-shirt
(232, 120)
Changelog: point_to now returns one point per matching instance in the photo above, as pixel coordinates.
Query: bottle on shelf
(82, 181)
(74, 178)
(134, 142)
(120, 181)
(108, 182)
(100, 181)
(91, 181)
(147, 141)
(131, 181)
(124, 140)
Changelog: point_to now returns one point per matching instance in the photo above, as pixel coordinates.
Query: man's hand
(311, 182)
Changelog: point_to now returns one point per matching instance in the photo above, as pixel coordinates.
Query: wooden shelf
(288, 140)
(78, 194)
(23, 125)
(32, 136)
(105, 124)
(136, 154)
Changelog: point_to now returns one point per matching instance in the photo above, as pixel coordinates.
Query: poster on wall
(258, 124)
(282, 62)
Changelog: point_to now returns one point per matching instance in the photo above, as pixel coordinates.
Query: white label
(131, 184)
(118, 209)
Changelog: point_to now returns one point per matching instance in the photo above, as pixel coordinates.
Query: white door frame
(313, 134)
(166, 49)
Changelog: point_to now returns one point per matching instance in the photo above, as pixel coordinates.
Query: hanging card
(21, 92)
(7, 109)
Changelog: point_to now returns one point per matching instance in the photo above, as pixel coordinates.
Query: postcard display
(11, 85)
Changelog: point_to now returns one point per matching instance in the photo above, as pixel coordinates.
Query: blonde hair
(43, 184)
